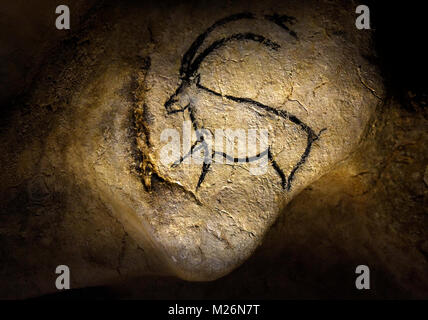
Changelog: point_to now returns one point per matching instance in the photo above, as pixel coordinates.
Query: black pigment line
(193, 119)
(193, 148)
(194, 67)
(200, 86)
(280, 20)
(191, 52)
(206, 165)
(189, 75)
(242, 160)
(179, 110)
(205, 169)
(278, 170)
(174, 99)
(286, 115)
(301, 161)
(281, 113)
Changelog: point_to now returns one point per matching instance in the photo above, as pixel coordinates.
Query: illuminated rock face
(294, 70)
(276, 71)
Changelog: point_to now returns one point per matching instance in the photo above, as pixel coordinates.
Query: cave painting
(190, 82)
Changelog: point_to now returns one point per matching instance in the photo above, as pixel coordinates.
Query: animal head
(182, 97)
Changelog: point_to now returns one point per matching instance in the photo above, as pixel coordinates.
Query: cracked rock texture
(238, 82)
(84, 184)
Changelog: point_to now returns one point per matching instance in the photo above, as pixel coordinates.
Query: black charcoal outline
(189, 75)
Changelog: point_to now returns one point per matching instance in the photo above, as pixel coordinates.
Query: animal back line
(281, 113)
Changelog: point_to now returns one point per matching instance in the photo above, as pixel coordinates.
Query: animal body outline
(189, 77)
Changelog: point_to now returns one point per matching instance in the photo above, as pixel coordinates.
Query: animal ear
(281, 20)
